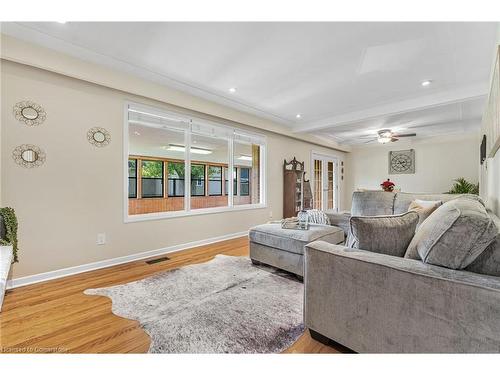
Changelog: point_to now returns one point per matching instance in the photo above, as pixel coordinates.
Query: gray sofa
(371, 203)
(373, 303)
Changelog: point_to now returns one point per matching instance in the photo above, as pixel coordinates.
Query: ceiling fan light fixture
(384, 139)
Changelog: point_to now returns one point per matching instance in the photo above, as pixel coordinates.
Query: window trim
(237, 135)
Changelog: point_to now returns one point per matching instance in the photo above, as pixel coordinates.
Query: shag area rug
(227, 305)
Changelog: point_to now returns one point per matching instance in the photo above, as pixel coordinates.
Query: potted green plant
(462, 186)
(8, 246)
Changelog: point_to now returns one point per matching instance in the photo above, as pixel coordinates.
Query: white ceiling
(345, 79)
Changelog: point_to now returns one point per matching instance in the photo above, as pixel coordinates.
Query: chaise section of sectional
(376, 303)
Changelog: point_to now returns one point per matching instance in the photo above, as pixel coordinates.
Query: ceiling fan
(386, 136)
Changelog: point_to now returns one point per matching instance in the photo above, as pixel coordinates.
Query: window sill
(201, 211)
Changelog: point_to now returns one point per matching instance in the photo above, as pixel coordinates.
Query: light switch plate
(101, 238)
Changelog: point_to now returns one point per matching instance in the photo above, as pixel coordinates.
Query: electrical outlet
(270, 214)
(101, 238)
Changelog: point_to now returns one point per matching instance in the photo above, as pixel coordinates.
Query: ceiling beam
(396, 108)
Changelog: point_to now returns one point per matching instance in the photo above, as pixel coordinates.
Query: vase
(6, 255)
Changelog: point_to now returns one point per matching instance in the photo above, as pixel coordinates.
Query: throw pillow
(383, 234)
(428, 204)
(454, 235)
(318, 217)
(423, 210)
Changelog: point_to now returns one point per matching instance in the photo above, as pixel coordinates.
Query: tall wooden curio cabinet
(297, 193)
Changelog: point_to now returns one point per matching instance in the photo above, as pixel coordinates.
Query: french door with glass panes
(325, 182)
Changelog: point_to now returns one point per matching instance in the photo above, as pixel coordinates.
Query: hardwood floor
(56, 316)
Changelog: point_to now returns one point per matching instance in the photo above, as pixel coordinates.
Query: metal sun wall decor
(28, 156)
(98, 137)
(402, 162)
(30, 113)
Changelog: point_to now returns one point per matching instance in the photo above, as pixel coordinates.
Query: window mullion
(187, 169)
(230, 183)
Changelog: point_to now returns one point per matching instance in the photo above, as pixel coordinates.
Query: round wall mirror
(30, 113)
(98, 137)
(28, 156)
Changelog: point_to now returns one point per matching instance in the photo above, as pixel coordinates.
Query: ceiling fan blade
(371, 140)
(405, 135)
(394, 139)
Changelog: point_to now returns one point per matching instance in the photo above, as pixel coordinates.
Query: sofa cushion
(423, 209)
(293, 240)
(371, 203)
(454, 235)
(402, 201)
(488, 262)
(389, 235)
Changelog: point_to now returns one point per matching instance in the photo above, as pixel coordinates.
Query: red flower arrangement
(388, 185)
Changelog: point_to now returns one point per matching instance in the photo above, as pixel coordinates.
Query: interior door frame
(325, 157)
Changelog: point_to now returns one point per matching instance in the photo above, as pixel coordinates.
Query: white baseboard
(51, 275)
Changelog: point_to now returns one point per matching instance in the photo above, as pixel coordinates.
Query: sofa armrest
(373, 302)
(339, 219)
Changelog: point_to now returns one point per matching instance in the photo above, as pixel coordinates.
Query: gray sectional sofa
(374, 302)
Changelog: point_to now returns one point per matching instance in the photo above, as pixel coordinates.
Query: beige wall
(78, 192)
(438, 161)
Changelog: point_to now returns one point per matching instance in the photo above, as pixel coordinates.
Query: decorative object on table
(402, 162)
(297, 193)
(388, 185)
(8, 246)
(318, 217)
(303, 220)
(98, 137)
(290, 223)
(28, 156)
(462, 186)
(30, 113)
(227, 304)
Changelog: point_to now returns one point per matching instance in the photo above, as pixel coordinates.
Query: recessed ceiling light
(426, 83)
(298, 115)
(232, 90)
(63, 22)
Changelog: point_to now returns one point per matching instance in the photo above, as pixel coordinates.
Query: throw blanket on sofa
(318, 217)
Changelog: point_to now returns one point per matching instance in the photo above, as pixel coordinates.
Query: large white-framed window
(163, 145)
